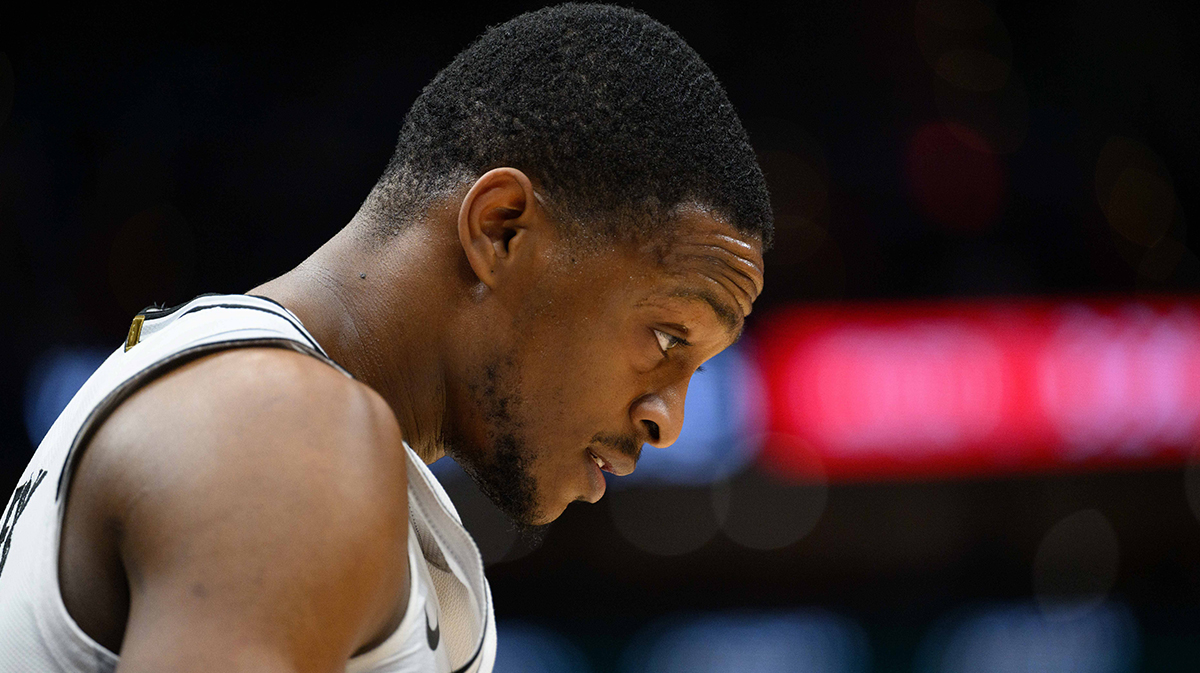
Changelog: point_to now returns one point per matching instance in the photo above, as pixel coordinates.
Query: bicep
(276, 542)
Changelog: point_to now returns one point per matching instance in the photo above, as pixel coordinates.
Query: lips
(596, 481)
(600, 462)
(622, 467)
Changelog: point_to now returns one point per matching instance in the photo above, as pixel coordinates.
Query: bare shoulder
(262, 499)
(237, 390)
(279, 419)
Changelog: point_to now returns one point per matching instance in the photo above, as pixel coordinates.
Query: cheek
(581, 388)
(642, 352)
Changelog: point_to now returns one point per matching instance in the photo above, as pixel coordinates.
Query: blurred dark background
(942, 149)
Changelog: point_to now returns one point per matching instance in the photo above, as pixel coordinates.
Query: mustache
(625, 444)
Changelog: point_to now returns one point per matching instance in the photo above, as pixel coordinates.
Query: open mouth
(600, 462)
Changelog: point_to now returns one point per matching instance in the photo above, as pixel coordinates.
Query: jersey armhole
(367, 661)
(53, 620)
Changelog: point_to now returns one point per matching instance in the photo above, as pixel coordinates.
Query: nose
(660, 416)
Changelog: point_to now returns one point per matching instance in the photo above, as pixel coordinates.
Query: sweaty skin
(271, 536)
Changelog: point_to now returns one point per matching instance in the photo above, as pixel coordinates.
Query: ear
(494, 220)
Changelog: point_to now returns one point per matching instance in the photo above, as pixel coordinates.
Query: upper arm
(263, 511)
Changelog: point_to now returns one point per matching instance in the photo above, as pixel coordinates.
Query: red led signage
(939, 389)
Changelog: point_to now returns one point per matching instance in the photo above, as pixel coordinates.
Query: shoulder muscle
(262, 498)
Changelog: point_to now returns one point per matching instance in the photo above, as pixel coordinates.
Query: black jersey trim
(101, 411)
(286, 318)
(479, 649)
(164, 311)
(153, 313)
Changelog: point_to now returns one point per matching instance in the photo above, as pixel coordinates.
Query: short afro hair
(608, 111)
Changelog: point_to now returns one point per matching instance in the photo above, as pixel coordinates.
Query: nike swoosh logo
(432, 633)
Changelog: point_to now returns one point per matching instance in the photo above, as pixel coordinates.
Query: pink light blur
(963, 388)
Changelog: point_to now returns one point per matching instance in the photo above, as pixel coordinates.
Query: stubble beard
(503, 469)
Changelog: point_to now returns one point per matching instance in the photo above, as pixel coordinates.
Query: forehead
(704, 259)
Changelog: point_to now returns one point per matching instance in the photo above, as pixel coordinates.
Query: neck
(377, 312)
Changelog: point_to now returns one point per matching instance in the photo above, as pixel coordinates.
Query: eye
(667, 341)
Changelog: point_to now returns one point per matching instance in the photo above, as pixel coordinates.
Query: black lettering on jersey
(20, 498)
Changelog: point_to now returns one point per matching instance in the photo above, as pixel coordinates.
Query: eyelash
(672, 341)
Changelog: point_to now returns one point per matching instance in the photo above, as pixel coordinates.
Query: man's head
(610, 219)
(610, 113)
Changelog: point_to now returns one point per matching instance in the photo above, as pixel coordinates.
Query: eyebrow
(728, 317)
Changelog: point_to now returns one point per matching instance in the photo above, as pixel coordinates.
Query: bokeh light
(981, 387)
(977, 94)
(794, 164)
(665, 520)
(799, 187)
(1168, 259)
(1018, 638)
(723, 418)
(522, 647)
(972, 69)
(56, 375)
(943, 24)
(801, 641)
(1076, 565)
(760, 509)
(1123, 381)
(1135, 191)
(956, 184)
(964, 42)
(987, 121)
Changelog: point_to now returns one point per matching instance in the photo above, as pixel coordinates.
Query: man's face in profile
(599, 361)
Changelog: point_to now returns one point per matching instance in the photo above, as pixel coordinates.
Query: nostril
(652, 427)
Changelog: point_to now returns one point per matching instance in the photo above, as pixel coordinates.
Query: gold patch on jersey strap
(135, 331)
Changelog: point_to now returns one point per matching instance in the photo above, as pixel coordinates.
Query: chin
(547, 508)
(546, 515)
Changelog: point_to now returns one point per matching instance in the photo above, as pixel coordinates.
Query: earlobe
(493, 213)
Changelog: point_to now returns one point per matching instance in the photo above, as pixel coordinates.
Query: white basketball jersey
(448, 626)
